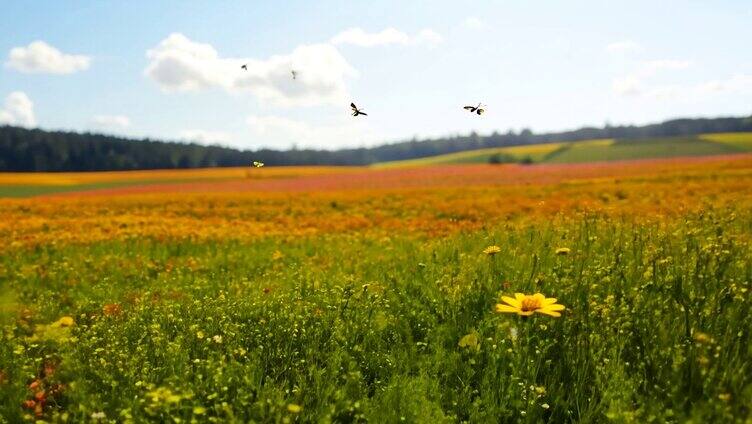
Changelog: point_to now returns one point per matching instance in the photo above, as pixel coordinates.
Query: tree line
(24, 149)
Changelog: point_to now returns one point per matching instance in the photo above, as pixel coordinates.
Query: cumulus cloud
(361, 38)
(321, 77)
(474, 23)
(111, 122)
(205, 137)
(40, 57)
(622, 47)
(281, 132)
(18, 110)
(180, 64)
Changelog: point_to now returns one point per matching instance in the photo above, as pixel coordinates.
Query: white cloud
(627, 86)
(40, 57)
(632, 84)
(359, 37)
(111, 122)
(622, 47)
(474, 23)
(736, 84)
(322, 73)
(739, 83)
(205, 137)
(18, 110)
(282, 132)
(180, 64)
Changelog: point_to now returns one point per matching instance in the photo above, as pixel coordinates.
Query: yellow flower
(527, 304)
(492, 250)
(64, 322)
(702, 338)
(470, 341)
(563, 251)
(294, 408)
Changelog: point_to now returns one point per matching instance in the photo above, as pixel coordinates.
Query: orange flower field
(425, 201)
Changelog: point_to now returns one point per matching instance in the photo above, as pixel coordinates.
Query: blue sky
(170, 69)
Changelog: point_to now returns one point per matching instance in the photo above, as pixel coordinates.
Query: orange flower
(111, 309)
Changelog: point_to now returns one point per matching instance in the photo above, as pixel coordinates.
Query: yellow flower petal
(514, 302)
(506, 308)
(549, 312)
(549, 301)
(525, 313)
(519, 296)
(554, 307)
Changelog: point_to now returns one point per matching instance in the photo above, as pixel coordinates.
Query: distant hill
(38, 150)
(595, 150)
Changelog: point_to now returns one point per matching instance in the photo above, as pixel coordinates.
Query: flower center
(530, 303)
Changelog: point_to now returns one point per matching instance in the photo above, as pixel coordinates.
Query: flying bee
(356, 111)
(294, 74)
(476, 109)
(258, 164)
(244, 67)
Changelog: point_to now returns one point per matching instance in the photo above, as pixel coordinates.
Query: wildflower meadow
(601, 294)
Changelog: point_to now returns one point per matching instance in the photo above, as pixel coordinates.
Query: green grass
(38, 190)
(638, 149)
(741, 140)
(354, 329)
(596, 150)
(517, 153)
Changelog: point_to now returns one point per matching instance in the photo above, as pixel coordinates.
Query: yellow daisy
(527, 304)
(492, 250)
(65, 321)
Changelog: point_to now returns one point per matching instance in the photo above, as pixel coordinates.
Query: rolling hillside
(595, 150)
(37, 150)
(531, 153)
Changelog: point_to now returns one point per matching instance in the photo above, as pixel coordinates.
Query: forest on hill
(24, 149)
